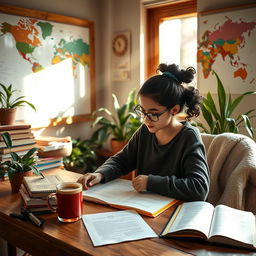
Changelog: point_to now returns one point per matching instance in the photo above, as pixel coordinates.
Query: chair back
(232, 164)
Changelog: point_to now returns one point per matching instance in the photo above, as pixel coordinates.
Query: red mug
(69, 201)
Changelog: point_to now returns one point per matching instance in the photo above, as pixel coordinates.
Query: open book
(119, 193)
(221, 224)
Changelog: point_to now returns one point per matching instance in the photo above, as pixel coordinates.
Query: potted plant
(120, 125)
(219, 117)
(18, 167)
(8, 105)
(82, 157)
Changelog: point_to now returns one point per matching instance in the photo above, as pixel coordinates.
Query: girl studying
(168, 155)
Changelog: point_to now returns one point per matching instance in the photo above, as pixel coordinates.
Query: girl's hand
(90, 179)
(140, 183)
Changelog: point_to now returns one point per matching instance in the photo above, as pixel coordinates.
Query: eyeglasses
(154, 117)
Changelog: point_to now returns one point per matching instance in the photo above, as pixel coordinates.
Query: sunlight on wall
(82, 80)
(45, 89)
(142, 58)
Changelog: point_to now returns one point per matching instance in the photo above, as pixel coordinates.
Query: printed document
(116, 227)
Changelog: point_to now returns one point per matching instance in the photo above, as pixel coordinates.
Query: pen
(42, 212)
(18, 216)
(38, 222)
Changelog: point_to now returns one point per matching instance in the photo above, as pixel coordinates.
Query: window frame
(154, 16)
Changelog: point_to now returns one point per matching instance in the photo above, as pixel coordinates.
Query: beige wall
(203, 5)
(113, 16)
(122, 15)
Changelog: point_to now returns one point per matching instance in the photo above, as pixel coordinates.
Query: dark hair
(167, 89)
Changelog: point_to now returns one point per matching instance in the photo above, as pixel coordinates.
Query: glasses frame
(139, 112)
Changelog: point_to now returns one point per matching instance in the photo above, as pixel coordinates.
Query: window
(178, 41)
(171, 35)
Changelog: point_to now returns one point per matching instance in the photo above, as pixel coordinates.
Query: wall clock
(120, 44)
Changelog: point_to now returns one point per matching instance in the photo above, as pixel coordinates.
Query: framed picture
(50, 59)
(121, 56)
(226, 44)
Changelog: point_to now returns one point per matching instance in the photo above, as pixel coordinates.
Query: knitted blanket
(232, 163)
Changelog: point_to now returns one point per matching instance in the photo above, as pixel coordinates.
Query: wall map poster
(226, 44)
(48, 62)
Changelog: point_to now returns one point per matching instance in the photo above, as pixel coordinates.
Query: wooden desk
(58, 239)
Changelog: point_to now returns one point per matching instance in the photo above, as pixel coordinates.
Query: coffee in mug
(69, 201)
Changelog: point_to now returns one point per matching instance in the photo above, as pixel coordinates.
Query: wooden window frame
(154, 17)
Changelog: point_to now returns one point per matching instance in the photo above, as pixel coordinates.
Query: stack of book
(52, 150)
(34, 192)
(22, 140)
(45, 163)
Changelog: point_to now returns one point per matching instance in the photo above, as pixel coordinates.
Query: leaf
(7, 139)
(248, 125)
(101, 121)
(231, 125)
(15, 156)
(36, 171)
(221, 96)
(21, 103)
(121, 116)
(207, 115)
(29, 154)
(211, 107)
(116, 103)
(131, 102)
(238, 100)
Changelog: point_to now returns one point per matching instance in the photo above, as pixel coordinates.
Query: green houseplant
(120, 124)
(220, 117)
(8, 104)
(18, 166)
(82, 157)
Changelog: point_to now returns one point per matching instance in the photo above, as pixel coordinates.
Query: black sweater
(177, 169)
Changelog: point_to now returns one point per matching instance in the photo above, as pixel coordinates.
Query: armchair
(232, 163)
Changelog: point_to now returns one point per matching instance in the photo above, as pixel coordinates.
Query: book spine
(18, 148)
(15, 146)
(6, 128)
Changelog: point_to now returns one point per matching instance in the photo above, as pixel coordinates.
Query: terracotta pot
(7, 116)
(117, 145)
(17, 179)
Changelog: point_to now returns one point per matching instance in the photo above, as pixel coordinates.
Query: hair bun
(184, 76)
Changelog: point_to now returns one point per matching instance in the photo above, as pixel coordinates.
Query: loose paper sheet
(116, 227)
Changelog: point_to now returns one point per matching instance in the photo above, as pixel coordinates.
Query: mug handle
(49, 197)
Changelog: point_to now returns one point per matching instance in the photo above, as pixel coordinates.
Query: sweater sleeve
(192, 183)
(123, 162)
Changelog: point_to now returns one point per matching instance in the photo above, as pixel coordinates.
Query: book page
(194, 216)
(235, 224)
(121, 192)
(116, 227)
(38, 183)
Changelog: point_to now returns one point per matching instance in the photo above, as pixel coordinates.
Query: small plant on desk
(18, 166)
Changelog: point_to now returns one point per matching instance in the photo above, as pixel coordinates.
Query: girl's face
(149, 106)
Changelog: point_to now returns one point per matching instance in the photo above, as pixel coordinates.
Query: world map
(30, 34)
(51, 63)
(226, 40)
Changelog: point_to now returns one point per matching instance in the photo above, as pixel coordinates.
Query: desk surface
(56, 238)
